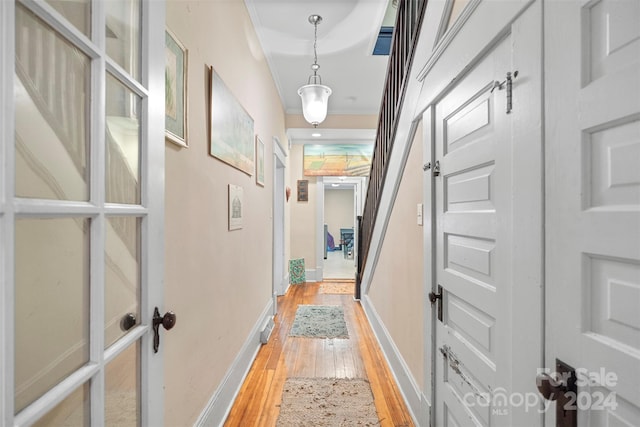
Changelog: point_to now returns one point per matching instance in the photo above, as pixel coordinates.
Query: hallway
(338, 266)
(283, 357)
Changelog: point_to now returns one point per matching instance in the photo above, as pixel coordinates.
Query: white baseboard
(417, 403)
(284, 286)
(310, 275)
(219, 406)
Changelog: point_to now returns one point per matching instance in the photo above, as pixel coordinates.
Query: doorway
(279, 285)
(339, 234)
(341, 206)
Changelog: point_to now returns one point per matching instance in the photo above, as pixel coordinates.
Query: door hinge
(508, 84)
(426, 166)
(433, 297)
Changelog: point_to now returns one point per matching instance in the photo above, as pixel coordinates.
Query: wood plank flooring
(258, 402)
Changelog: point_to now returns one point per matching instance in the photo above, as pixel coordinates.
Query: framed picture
(303, 190)
(236, 207)
(337, 159)
(175, 87)
(231, 128)
(259, 161)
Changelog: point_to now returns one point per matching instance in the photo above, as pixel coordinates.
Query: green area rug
(319, 321)
(327, 402)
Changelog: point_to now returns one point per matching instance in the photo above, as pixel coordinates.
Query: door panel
(593, 208)
(471, 267)
(488, 227)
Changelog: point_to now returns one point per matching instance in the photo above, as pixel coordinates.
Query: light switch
(419, 213)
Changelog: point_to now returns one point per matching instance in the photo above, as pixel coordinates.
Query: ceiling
(346, 38)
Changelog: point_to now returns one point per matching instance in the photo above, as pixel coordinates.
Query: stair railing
(405, 35)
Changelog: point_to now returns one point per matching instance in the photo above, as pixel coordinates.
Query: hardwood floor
(258, 401)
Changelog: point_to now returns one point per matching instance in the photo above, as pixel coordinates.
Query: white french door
(592, 55)
(81, 211)
(488, 225)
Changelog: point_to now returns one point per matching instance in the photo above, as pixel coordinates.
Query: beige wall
(303, 214)
(338, 211)
(396, 289)
(218, 282)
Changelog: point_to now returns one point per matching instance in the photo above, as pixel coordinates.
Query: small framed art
(259, 162)
(303, 190)
(236, 207)
(175, 87)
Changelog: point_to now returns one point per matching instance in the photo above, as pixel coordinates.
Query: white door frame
(151, 210)
(319, 267)
(279, 169)
(358, 184)
(7, 185)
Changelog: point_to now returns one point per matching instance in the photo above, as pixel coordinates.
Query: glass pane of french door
(78, 12)
(122, 385)
(123, 34)
(74, 411)
(52, 90)
(52, 300)
(122, 143)
(122, 273)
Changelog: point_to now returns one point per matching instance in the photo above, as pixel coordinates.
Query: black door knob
(128, 321)
(169, 320)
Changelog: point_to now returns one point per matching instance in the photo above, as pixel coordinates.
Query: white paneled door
(81, 212)
(487, 184)
(592, 57)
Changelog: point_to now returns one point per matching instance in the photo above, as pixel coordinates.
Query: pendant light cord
(315, 45)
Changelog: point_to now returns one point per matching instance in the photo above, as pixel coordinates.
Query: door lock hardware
(436, 168)
(562, 388)
(426, 166)
(167, 321)
(508, 84)
(433, 297)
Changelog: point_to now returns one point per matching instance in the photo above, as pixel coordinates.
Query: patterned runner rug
(337, 288)
(319, 321)
(327, 402)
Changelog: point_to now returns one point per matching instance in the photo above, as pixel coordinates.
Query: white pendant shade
(315, 99)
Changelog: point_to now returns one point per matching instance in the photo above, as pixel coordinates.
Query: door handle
(167, 321)
(549, 387)
(564, 390)
(433, 297)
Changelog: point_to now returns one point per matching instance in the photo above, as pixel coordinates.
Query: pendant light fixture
(315, 95)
